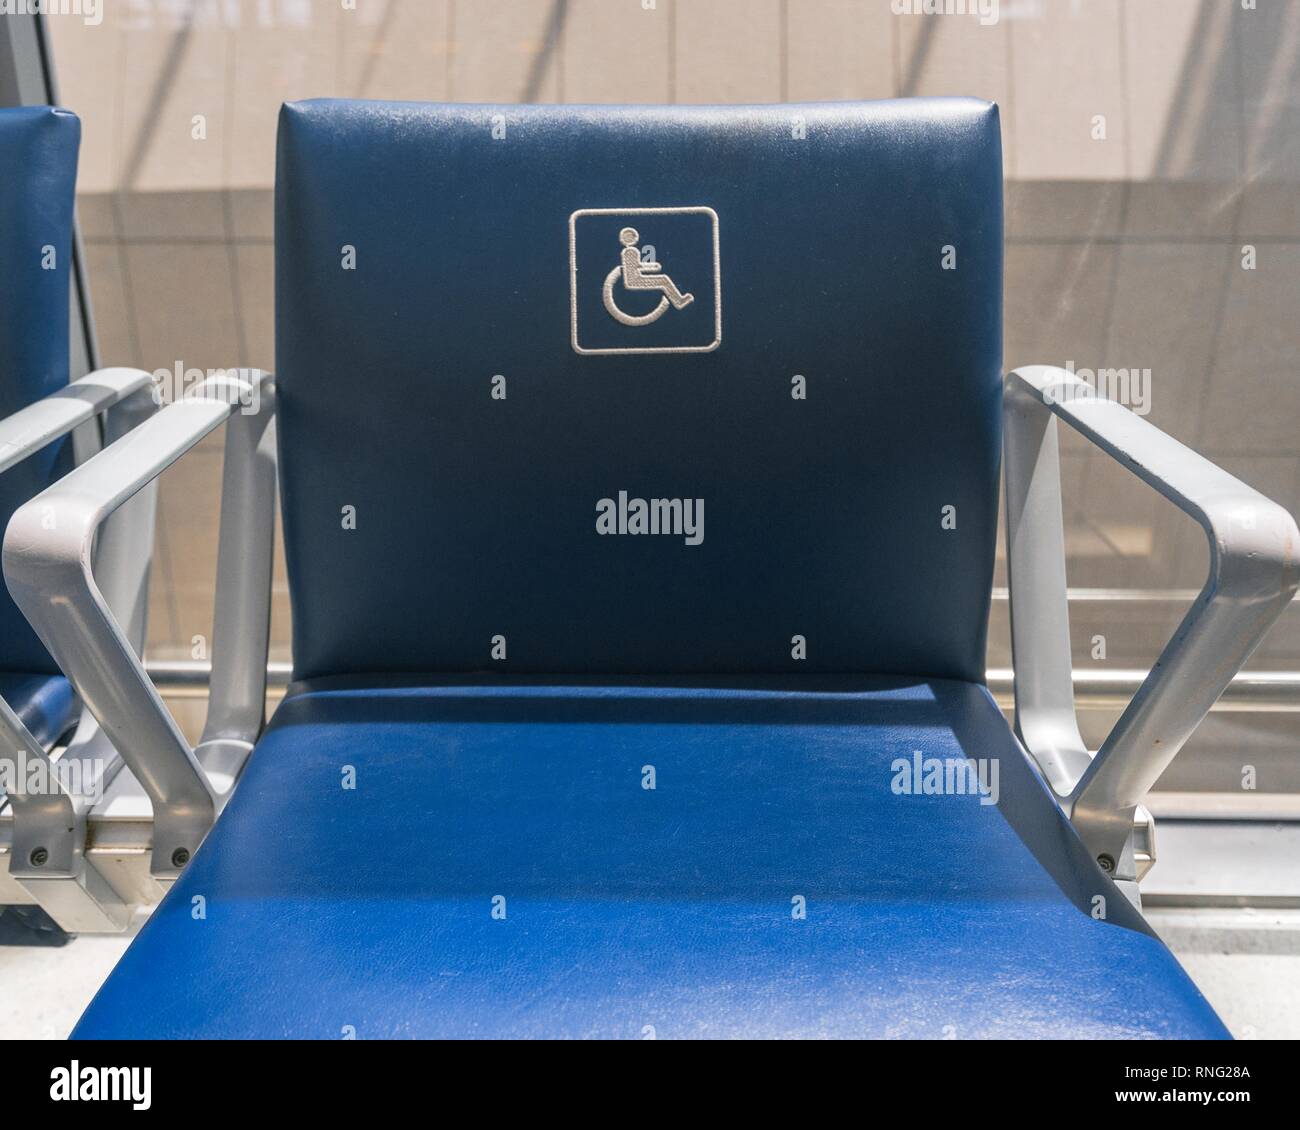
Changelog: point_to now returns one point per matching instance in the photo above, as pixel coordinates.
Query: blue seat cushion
(500, 869)
(45, 704)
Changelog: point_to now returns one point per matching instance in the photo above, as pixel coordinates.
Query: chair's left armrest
(125, 397)
(48, 566)
(29, 429)
(1254, 571)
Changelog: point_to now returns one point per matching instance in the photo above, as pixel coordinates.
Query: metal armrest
(47, 563)
(126, 396)
(49, 823)
(1254, 572)
(32, 428)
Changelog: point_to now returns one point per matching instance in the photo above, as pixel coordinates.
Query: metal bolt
(1106, 864)
(180, 857)
(39, 857)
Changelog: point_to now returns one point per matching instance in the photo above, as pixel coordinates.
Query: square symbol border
(698, 209)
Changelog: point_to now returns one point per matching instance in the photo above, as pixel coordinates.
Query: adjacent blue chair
(639, 604)
(42, 832)
(38, 150)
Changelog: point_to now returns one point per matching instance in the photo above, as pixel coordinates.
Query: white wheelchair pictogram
(638, 275)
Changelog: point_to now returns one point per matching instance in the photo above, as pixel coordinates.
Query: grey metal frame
(51, 826)
(1254, 572)
(48, 568)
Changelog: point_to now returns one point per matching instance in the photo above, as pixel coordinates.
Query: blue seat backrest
(477, 388)
(38, 177)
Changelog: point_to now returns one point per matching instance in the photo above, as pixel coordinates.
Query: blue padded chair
(560, 763)
(38, 150)
(42, 830)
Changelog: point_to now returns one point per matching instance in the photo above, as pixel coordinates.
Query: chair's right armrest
(1254, 554)
(48, 566)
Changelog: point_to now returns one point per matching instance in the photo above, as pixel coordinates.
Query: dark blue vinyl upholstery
(627, 907)
(823, 516)
(38, 156)
(418, 257)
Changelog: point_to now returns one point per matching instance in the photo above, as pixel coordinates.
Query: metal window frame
(1254, 572)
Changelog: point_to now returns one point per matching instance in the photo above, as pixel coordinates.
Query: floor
(1246, 961)
(44, 988)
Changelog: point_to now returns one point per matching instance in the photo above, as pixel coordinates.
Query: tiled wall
(1123, 251)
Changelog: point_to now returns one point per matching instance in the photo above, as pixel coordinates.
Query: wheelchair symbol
(638, 275)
